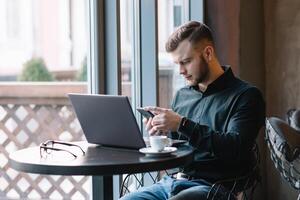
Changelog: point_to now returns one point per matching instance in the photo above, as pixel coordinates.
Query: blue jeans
(169, 188)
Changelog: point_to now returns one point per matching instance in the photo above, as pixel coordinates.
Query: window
(111, 47)
(13, 19)
(126, 35)
(44, 50)
(173, 13)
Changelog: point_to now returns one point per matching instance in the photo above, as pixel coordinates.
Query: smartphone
(147, 114)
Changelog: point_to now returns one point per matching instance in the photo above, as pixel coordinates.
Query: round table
(97, 161)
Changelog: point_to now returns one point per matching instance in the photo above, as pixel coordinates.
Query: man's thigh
(196, 192)
(177, 190)
(201, 193)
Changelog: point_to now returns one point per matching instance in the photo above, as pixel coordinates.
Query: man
(219, 114)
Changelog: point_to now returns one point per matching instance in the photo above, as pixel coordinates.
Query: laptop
(107, 120)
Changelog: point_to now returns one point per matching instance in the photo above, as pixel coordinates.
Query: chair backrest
(240, 184)
(293, 118)
(284, 144)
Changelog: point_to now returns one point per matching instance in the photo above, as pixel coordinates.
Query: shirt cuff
(186, 127)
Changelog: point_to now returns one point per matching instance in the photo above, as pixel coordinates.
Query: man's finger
(152, 132)
(148, 125)
(148, 108)
(156, 110)
(160, 127)
(145, 120)
(158, 119)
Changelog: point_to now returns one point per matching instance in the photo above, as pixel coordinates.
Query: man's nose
(182, 70)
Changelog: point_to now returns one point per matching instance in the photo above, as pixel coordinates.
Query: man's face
(192, 65)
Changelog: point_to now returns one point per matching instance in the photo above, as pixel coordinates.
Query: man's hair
(193, 31)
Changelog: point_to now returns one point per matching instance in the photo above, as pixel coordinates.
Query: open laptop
(107, 120)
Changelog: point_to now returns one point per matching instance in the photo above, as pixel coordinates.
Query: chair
(293, 118)
(138, 180)
(239, 186)
(284, 145)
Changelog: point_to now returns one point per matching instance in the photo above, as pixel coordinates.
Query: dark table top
(98, 160)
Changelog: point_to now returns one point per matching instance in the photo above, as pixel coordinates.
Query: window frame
(104, 75)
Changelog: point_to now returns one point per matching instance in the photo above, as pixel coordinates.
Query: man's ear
(208, 53)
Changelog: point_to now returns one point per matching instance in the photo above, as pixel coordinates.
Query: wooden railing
(31, 113)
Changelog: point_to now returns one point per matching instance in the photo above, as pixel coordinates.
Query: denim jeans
(169, 188)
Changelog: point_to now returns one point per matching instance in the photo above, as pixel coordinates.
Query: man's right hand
(149, 127)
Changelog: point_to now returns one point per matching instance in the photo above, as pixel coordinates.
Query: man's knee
(144, 195)
(197, 192)
(154, 192)
(134, 196)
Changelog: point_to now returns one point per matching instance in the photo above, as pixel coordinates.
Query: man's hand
(165, 120)
(149, 127)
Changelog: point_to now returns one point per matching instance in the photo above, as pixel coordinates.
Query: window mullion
(105, 76)
(136, 55)
(196, 10)
(112, 47)
(149, 55)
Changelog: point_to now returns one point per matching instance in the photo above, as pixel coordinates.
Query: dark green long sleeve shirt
(223, 123)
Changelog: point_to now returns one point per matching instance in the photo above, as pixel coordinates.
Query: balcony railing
(31, 113)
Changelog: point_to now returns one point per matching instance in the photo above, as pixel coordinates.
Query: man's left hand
(165, 120)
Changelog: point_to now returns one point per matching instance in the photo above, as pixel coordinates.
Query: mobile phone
(147, 114)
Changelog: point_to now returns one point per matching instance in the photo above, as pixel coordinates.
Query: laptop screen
(107, 120)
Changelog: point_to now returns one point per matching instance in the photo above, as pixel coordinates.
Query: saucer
(150, 152)
(175, 142)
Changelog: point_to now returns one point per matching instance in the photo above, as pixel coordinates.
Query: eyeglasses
(48, 146)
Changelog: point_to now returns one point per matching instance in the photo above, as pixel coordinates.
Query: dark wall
(282, 60)
(261, 40)
(223, 18)
(252, 67)
(239, 35)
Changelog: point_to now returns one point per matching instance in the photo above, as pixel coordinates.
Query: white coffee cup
(159, 142)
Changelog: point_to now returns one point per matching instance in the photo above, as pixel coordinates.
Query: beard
(203, 74)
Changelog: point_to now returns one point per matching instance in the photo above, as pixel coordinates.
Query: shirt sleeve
(243, 127)
(176, 134)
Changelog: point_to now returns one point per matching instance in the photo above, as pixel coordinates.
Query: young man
(219, 114)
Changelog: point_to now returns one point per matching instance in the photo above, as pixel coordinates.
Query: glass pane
(127, 69)
(126, 23)
(171, 14)
(43, 53)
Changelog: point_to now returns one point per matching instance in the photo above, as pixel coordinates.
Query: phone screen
(145, 113)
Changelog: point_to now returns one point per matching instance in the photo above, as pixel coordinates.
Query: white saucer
(150, 152)
(175, 142)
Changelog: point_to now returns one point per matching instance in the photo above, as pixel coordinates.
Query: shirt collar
(220, 83)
